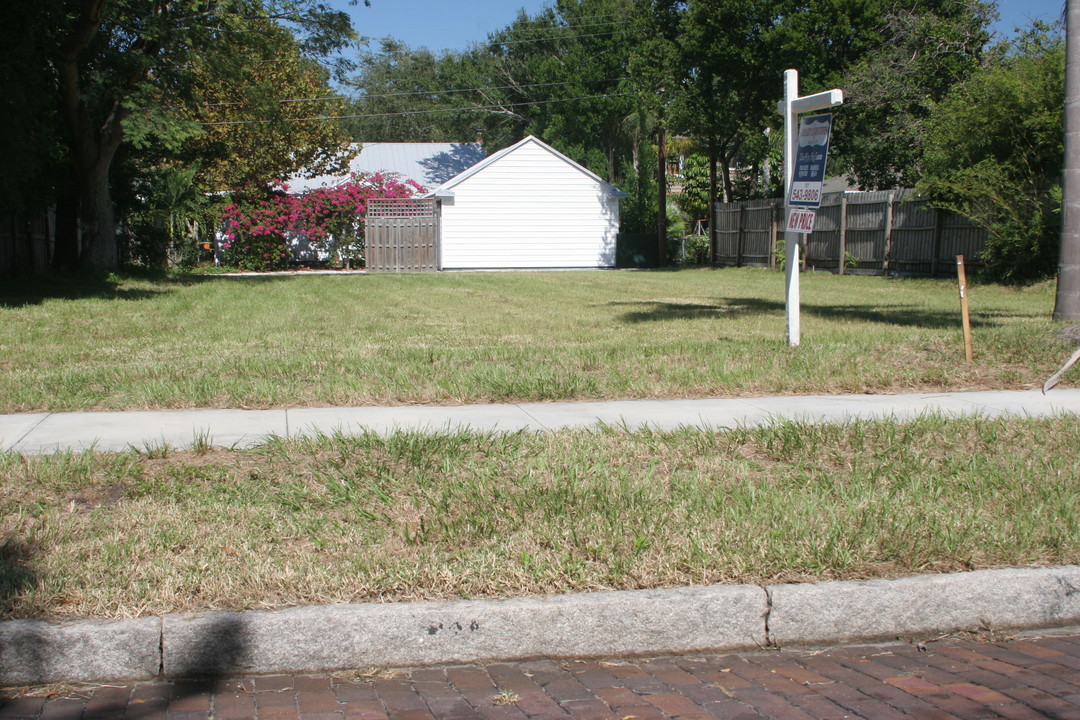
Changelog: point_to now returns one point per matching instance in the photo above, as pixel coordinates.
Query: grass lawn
(333, 519)
(413, 516)
(481, 337)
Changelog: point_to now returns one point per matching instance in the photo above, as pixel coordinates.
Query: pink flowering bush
(257, 233)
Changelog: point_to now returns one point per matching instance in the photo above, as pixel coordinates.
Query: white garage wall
(529, 208)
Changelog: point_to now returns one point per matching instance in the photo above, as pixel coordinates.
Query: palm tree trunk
(1067, 303)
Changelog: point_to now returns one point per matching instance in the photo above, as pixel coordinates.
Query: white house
(527, 206)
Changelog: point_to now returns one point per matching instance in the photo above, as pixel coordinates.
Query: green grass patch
(411, 516)
(135, 342)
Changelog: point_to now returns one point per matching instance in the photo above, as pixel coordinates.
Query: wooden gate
(402, 235)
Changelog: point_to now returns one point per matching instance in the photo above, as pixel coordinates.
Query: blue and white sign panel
(812, 151)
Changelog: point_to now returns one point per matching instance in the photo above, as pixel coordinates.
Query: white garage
(527, 206)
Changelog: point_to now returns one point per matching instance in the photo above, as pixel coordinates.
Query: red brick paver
(1022, 679)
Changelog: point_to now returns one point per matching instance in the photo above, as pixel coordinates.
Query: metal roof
(446, 188)
(429, 164)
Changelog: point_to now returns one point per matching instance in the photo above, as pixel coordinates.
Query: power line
(417, 112)
(367, 96)
(543, 39)
(481, 43)
(574, 26)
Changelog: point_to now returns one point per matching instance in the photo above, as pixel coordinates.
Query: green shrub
(257, 252)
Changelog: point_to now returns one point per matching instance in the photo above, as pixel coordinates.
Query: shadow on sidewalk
(201, 669)
(197, 668)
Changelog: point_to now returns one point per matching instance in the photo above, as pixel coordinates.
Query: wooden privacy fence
(25, 243)
(402, 235)
(889, 232)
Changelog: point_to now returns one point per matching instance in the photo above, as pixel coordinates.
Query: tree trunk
(661, 192)
(66, 248)
(1067, 303)
(713, 159)
(100, 250)
(93, 142)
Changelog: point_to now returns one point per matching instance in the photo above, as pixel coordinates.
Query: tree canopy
(147, 106)
(889, 94)
(139, 75)
(994, 149)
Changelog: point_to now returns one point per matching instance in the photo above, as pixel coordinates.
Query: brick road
(1022, 678)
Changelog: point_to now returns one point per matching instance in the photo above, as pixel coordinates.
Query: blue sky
(436, 24)
(454, 24)
(1023, 12)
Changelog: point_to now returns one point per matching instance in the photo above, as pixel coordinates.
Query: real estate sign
(809, 172)
(800, 220)
(813, 150)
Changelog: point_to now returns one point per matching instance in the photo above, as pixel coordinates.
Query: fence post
(739, 224)
(773, 227)
(712, 237)
(888, 232)
(937, 243)
(843, 232)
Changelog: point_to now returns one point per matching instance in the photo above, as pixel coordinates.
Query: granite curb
(604, 624)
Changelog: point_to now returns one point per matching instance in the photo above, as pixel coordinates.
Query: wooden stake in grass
(961, 277)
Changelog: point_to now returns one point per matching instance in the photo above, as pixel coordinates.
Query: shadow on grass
(36, 289)
(205, 665)
(17, 577)
(200, 278)
(903, 315)
(900, 315)
(650, 311)
(16, 574)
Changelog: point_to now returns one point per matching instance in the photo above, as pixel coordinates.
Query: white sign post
(790, 107)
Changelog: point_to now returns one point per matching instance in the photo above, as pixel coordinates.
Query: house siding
(529, 209)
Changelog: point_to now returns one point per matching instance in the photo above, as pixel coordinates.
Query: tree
(993, 151)
(258, 231)
(561, 75)
(30, 145)
(112, 60)
(654, 65)
(1067, 301)
(263, 120)
(218, 135)
(727, 88)
(925, 50)
(415, 95)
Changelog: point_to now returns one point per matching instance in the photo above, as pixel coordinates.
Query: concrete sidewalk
(34, 433)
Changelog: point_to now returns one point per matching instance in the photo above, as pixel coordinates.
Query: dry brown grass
(418, 516)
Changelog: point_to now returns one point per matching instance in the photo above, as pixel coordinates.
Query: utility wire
(416, 112)
(366, 96)
(570, 26)
(481, 43)
(544, 39)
